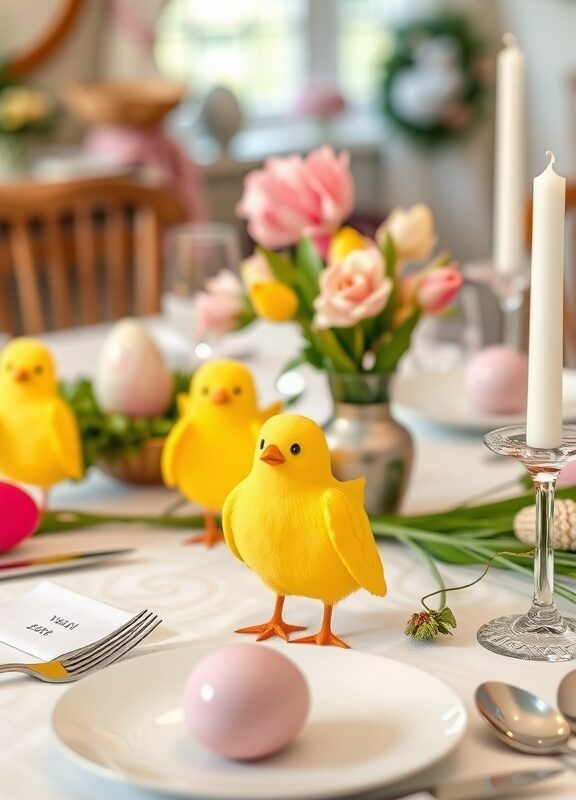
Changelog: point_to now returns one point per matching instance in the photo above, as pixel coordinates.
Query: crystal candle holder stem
(542, 634)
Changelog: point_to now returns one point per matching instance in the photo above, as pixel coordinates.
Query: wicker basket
(143, 467)
(128, 103)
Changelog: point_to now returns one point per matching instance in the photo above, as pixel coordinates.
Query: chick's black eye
(236, 390)
(261, 444)
(38, 370)
(204, 390)
(295, 449)
(9, 367)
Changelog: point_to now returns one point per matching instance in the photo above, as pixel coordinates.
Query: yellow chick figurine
(210, 448)
(39, 437)
(299, 528)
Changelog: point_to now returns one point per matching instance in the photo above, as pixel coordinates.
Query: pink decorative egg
(567, 477)
(245, 701)
(132, 377)
(497, 380)
(19, 516)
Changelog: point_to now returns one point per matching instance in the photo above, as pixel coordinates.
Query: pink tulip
(293, 197)
(352, 289)
(219, 306)
(437, 288)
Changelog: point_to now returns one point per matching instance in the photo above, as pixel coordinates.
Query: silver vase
(365, 439)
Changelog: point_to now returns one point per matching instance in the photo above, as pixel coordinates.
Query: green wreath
(439, 101)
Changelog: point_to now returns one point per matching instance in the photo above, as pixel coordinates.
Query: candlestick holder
(542, 634)
(509, 292)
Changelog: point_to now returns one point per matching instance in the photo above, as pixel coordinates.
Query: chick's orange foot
(212, 534)
(208, 538)
(275, 626)
(322, 638)
(272, 628)
(324, 635)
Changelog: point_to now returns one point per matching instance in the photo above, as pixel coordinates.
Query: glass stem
(544, 556)
(511, 329)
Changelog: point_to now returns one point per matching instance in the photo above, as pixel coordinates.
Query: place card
(50, 620)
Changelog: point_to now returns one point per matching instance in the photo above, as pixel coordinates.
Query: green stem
(433, 569)
(334, 351)
(358, 344)
(470, 583)
(64, 520)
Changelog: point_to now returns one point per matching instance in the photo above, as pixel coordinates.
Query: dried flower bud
(428, 624)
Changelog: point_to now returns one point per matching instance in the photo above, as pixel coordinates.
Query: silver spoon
(566, 698)
(523, 720)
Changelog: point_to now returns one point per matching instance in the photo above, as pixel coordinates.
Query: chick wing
(352, 538)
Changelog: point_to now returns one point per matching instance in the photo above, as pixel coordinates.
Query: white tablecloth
(205, 594)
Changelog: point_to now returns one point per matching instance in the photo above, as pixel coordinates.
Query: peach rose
(219, 306)
(352, 289)
(411, 230)
(293, 197)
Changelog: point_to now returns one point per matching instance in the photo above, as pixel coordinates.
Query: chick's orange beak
(220, 396)
(21, 375)
(272, 455)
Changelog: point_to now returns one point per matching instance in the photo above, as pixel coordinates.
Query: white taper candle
(545, 356)
(510, 157)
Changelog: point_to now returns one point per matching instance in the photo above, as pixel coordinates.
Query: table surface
(203, 595)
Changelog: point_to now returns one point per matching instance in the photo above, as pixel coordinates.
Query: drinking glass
(195, 253)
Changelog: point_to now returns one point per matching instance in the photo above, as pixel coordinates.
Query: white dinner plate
(373, 722)
(441, 397)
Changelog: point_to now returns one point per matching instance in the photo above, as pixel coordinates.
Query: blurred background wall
(136, 39)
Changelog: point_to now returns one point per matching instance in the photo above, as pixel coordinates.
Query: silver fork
(77, 663)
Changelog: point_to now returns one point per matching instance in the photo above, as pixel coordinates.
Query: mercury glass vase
(365, 439)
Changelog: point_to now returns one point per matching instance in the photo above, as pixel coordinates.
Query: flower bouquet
(23, 111)
(356, 299)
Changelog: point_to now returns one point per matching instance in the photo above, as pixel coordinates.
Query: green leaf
(311, 355)
(446, 617)
(281, 265)
(111, 436)
(388, 250)
(309, 266)
(394, 344)
(338, 358)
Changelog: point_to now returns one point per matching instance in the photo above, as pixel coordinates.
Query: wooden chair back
(570, 275)
(80, 252)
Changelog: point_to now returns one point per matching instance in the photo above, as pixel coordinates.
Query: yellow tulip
(343, 242)
(273, 301)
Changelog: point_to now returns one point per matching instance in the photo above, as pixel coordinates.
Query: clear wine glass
(194, 253)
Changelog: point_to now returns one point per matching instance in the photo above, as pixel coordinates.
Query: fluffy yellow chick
(39, 437)
(299, 528)
(210, 448)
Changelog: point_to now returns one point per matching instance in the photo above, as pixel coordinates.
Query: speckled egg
(497, 380)
(245, 701)
(19, 516)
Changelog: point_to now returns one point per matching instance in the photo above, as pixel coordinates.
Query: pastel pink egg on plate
(245, 701)
(19, 516)
(497, 380)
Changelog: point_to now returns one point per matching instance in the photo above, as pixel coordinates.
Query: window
(264, 50)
